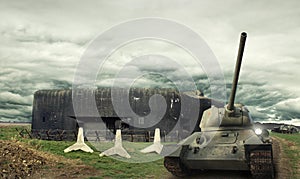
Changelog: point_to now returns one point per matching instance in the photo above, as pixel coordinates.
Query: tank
(227, 140)
(286, 129)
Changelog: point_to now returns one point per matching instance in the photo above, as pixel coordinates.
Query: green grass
(291, 137)
(8, 133)
(109, 167)
(112, 168)
(292, 152)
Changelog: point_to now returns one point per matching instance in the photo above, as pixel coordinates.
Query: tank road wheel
(174, 166)
(261, 164)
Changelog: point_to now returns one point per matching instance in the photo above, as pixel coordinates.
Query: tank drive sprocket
(261, 164)
(174, 166)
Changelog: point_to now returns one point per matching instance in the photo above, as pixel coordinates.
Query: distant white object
(79, 145)
(156, 146)
(117, 149)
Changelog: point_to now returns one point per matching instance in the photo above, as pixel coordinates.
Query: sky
(42, 43)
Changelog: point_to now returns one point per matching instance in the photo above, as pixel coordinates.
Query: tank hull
(234, 149)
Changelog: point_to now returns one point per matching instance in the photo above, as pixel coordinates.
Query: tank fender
(171, 150)
(190, 139)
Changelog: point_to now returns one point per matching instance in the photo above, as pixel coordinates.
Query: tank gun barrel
(230, 106)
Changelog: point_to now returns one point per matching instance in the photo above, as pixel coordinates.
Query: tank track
(261, 164)
(174, 166)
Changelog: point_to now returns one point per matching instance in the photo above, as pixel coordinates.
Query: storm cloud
(42, 43)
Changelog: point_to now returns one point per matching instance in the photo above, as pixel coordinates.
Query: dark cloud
(42, 42)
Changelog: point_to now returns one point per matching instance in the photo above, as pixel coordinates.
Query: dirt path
(282, 167)
(17, 160)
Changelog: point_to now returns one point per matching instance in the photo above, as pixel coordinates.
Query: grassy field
(291, 148)
(110, 168)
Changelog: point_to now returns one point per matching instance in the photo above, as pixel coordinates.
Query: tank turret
(236, 114)
(232, 114)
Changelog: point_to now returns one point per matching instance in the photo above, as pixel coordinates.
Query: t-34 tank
(227, 141)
